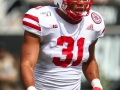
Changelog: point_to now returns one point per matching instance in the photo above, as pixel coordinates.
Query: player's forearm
(90, 70)
(27, 76)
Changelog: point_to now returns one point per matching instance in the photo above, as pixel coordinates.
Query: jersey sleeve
(31, 22)
(99, 22)
(102, 31)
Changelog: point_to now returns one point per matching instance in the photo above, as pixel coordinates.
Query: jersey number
(68, 51)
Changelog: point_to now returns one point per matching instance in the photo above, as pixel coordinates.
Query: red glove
(96, 88)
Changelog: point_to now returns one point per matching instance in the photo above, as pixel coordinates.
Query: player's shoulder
(41, 10)
(96, 17)
(96, 20)
(95, 12)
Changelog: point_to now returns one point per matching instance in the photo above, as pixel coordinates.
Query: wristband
(31, 88)
(96, 83)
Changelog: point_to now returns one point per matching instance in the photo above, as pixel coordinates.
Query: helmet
(65, 7)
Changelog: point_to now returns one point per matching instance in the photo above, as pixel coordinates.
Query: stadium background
(107, 48)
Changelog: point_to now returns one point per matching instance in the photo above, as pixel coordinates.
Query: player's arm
(29, 55)
(90, 69)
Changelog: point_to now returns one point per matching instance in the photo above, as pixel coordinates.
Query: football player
(59, 44)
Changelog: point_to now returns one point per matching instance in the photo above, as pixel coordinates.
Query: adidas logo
(90, 27)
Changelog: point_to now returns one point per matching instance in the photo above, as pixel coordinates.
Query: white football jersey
(64, 46)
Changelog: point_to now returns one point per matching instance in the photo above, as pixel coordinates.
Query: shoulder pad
(46, 16)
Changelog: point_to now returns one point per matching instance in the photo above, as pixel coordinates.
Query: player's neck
(65, 17)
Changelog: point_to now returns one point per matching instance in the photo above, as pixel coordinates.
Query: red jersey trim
(31, 17)
(31, 25)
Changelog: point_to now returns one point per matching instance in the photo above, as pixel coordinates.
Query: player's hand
(96, 88)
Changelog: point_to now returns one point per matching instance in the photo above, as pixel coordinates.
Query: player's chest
(69, 33)
(69, 47)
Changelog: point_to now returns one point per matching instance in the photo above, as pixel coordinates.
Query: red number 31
(68, 51)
